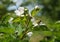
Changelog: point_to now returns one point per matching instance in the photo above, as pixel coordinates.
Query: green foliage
(35, 11)
(16, 30)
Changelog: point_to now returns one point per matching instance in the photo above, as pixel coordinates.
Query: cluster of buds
(36, 23)
(37, 7)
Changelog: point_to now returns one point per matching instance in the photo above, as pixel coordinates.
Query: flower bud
(10, 20)
(29, 34)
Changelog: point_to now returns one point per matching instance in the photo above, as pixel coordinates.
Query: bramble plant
(22, 26)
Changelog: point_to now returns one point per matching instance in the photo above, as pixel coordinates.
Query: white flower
(33, 19)
(10, 20)
(17, 13)
(20, 11)
(36, 7)
(34, 22)
(41, 23)
(29, 34)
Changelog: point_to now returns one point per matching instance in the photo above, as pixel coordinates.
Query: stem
(27, 27)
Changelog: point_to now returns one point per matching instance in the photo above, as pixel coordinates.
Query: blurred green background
(49, 13)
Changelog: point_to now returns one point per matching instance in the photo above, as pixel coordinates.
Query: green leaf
(7, 30)
(35, 11)
(46, 33)
(5, 18)
(19, 28)
(16, 20)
